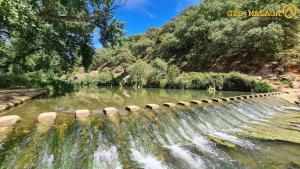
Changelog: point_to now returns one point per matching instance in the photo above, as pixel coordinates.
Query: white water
(191, 159)
(107, 158)
(147, 161)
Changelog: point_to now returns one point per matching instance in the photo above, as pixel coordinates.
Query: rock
(245, 96)
(80, 114)
(239, 97)
(297, 102)
(274, 63)
(296, 85)
(11, 120)
(110, 111)
(233, 98)
(152, 106)
(286, 77)
(225, 99)
(133, 108)
(196, 102)
(206, 101)
(169, 104)
(217, 100)
(221, 141)
(184, 103)
(259, 77)
(280, 70)
(47, 118)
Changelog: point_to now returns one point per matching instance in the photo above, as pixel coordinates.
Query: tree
(62, 28)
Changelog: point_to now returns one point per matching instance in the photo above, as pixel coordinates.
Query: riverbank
(10, 98)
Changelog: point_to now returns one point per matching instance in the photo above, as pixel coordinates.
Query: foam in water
(147, 161)
(107, 158)
(193, 160)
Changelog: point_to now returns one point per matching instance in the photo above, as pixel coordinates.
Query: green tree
(139, 73)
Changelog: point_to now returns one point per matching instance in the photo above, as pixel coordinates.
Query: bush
(261, 87)
(139, 73)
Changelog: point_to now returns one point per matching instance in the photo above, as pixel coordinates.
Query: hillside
(204, 38)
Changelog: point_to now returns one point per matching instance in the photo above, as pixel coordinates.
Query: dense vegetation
(204, 38)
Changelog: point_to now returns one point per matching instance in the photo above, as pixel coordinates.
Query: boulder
(80, 114)
(11, 120)
(152, 106)
(110, 111)
(133, 108)
(47, 118)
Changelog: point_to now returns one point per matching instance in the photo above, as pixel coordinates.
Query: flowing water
(179, 138)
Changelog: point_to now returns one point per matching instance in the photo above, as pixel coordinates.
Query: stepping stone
(245, 97)
(240, 98)
(217, 100)
(297, 102)
(251, 96)
(11, 120)
(133, 108)
(110, 111)
(225, 99)
(206, 101)
(152, 106)
(196, 102)
(169, 104)
(47, 118)
(81, 114)
(233, 98)
(184, 103)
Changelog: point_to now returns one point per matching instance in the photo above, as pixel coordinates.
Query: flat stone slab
(110, 111)
(196, 102)
(182, 103)
(233, 98)
(152, 106)
(240, 98)
(80, 114)
(170, 104)
(47, 118)
(206, 101)
(133, 108)
(225, 99)
(251, 96)
(245, 97)
(297, 102)
(217, 100)
(11, 120)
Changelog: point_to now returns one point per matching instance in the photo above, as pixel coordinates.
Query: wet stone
(152, 106)
(133, 108)
(184, 103)
(239, 97)
(11, 120)
(47, 118)
(110, 110)
(225, 99)
(233, 98)
(245, 97)
(196, 102)
(170, 104)
(80, 114)
(217, 100)
(207, 101)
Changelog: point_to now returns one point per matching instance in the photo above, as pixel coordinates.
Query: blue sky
(139, 15)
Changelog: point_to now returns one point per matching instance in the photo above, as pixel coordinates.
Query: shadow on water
(182, 137)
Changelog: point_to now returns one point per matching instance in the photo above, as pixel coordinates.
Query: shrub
(139, 73)
(261, 87)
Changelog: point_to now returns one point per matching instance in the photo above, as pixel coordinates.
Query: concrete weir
(47, 118)
(110, 111)
(152, 106)
(170, 104)
(182, 103)
(7, 121)
(132, 108)
(81, 114)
